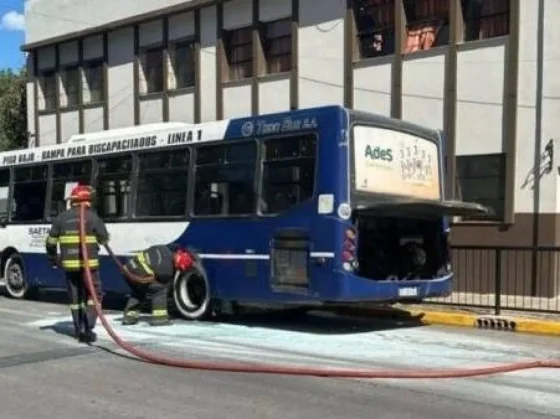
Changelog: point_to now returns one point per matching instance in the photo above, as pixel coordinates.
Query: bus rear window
(387, 161)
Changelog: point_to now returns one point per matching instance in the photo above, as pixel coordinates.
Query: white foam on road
(413, 348)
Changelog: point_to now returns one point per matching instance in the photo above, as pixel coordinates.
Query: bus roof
(160, 135)
(127, 131)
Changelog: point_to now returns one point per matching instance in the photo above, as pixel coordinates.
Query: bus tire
(17, 286)
(192, 294)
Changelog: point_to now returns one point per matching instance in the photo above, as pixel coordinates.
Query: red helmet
(81, 193)
(182, 260)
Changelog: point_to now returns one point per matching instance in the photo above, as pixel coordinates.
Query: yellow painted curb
(462, 319)
(443, 318)
(540, 327)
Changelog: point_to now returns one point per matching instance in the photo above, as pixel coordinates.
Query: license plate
(408, 292)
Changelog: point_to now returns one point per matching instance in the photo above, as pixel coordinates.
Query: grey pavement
(45, 374)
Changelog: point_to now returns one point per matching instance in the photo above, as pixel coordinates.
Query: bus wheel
(14, 276)
(192, 294)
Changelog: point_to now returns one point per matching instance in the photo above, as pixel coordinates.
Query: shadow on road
(321, 323)
(293, 320)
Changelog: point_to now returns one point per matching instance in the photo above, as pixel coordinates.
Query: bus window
(64, 177)
(224, 182)
(4, 193)
(30, 190)
(162, 183)
(113, 186)
(288, 172)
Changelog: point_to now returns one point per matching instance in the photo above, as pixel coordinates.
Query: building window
(71, 85)
(277, 46)
(151, 65)
(375, 27)
(485, 18)
(481, 179)
(238, 44)
(94, 82)
(427, 24)
(47, 83)
(225, 179)
(182, 74)
(288, 173)
(162, 184)
(113, 187)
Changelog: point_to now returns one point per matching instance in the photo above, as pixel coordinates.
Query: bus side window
(224, 183)
(288, 172)
(112, 189)
(30, 193)
(64, 177)
(162, 183)
(4, 194)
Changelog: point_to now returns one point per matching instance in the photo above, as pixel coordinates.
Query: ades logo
(378, 154)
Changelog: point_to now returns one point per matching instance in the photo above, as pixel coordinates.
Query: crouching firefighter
(150, 273)
(65, 231)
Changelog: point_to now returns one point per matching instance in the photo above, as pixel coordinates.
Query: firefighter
(158, 265)
(65, 230)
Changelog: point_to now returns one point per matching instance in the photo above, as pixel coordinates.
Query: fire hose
(284, 370)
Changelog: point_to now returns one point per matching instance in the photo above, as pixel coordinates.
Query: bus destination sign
(77, 150)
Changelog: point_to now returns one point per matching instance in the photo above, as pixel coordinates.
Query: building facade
(484, 71)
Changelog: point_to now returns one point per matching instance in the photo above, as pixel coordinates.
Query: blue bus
(302, 208)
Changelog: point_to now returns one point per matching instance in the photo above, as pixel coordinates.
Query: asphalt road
(45, 374)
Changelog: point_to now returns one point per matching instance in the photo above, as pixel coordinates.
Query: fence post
(498, 282)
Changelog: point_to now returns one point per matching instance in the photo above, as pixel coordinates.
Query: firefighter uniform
(160, 263)
(65, 231)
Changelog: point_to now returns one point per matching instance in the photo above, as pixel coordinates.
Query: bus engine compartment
(392, 248)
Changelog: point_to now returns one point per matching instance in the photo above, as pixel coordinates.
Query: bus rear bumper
(357, 288)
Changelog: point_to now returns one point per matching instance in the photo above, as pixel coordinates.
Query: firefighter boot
(160, 318)
(88, 337)
(130, 318)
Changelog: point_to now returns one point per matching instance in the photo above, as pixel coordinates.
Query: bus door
(289, 260)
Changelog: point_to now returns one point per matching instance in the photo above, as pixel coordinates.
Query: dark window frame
(137, 176)
(232, 47)
(263, 162)
(186, 69)
(270, 42)
(438, 21)
(70, 87)
(367, 35)
(255, 177)
(92, 83)
(53, 179)
(15, 182)
(99, 176)
(501, 177)
(6, 216)
(50, 101)
(474, 15)
(152, 85)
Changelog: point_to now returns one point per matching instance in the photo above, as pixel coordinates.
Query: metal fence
(505, 278)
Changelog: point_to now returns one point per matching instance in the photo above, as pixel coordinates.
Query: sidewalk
(507, 302)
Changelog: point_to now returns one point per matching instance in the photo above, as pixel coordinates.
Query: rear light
(348, 254)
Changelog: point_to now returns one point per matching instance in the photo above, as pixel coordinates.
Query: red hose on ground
(284, 370)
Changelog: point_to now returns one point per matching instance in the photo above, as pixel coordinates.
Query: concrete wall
(321, 75)
(79, 15)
